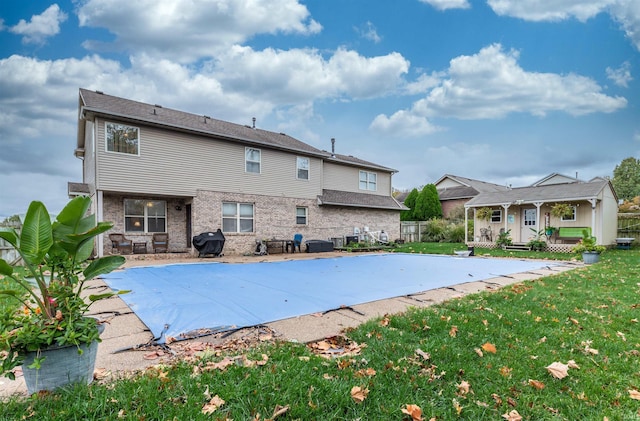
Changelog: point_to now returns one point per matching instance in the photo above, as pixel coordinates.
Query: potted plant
(562, 210)
(504, 238)
(589, 249)
(537, 243)
(549, 231)
(43, 323)
(484, 214)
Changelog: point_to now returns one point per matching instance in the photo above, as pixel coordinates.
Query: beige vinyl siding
(174, 163)
(346, 178)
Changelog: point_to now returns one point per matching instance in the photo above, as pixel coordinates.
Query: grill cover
(209, 243)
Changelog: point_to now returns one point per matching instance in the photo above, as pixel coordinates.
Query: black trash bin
(471, 250)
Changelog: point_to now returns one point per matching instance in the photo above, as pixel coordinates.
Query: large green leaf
(36, 237)
(10, 236)
(5, 268)
(103, 265)
(74, 211)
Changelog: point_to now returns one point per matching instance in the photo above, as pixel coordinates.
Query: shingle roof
(359, 200)
(129, 110)
(545, 193)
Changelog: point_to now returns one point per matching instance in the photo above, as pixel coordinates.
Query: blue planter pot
(589, 257)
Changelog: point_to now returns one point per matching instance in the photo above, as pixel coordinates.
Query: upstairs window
(145, 215)
(302, 168)
(237, 217)
(572, 217)
(252, 160)
(368, 180)
(122, 139)
(496, 215)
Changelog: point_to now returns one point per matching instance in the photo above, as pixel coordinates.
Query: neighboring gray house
(454, 191)
(153, 169)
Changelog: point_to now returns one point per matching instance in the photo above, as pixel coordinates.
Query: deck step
(517, 247)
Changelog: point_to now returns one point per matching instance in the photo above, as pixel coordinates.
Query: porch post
(466, 231)
(99, 218)
(506, 207)
(593, 202)
(538, 205)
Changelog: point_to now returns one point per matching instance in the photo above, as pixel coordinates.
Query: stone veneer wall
(113, 211)
(275, 217)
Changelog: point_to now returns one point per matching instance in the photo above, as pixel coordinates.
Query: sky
(505, 91)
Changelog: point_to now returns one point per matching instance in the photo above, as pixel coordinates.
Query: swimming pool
(175, 299)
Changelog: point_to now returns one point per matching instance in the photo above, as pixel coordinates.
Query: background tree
(626, 178)
(409, 202)
(428, 204)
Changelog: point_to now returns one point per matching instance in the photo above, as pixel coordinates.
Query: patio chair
(120, 244)
(297, 242)
(160, 242)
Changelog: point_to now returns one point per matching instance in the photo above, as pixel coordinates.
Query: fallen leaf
(359, 394)
(634, 394)
(279, 410)
(505, 371)
(424, 355)
(456, 406)
(489, 347)
(453, 331)
(414, 411)
(463, 388)
(621, 336)
(558, 370)
(213, 405)
(536, 384)
(512, 416)
(572, 364)
(479, 352)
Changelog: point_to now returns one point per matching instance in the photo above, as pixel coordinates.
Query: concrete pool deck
(123, 349)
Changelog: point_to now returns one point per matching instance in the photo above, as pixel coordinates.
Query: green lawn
(474, 358)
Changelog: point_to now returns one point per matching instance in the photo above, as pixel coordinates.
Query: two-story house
(154, 169)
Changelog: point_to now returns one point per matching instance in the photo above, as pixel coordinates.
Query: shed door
(529, 217)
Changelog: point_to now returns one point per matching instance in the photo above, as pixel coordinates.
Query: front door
(529, 217)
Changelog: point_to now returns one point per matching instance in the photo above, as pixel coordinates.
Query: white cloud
(369, 31)
(448, 4)
(556, 10)
(490, 85)
(625, 12)
(41, 26)
(402, 124)
(620, 76)
(300, 75)
(180, 30)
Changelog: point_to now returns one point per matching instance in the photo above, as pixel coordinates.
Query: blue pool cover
(176, 299)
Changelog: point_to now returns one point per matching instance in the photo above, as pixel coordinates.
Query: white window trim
(145, 217)
(238, 218)
(106, 143)
(306, 215)
(369, 183)
(308, 169)
(246, 161)
(575, 215)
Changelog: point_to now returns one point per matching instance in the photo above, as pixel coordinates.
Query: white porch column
(593, 217)
(466, 231)
(538, 205)
(506, 207)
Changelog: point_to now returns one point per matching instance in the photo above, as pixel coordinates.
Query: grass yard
(565, 347)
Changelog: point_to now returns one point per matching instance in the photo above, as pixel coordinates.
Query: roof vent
(283, 134)
(158, 106)
(333, 147)
(205, 118)
(99, 92)
(254, 122)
